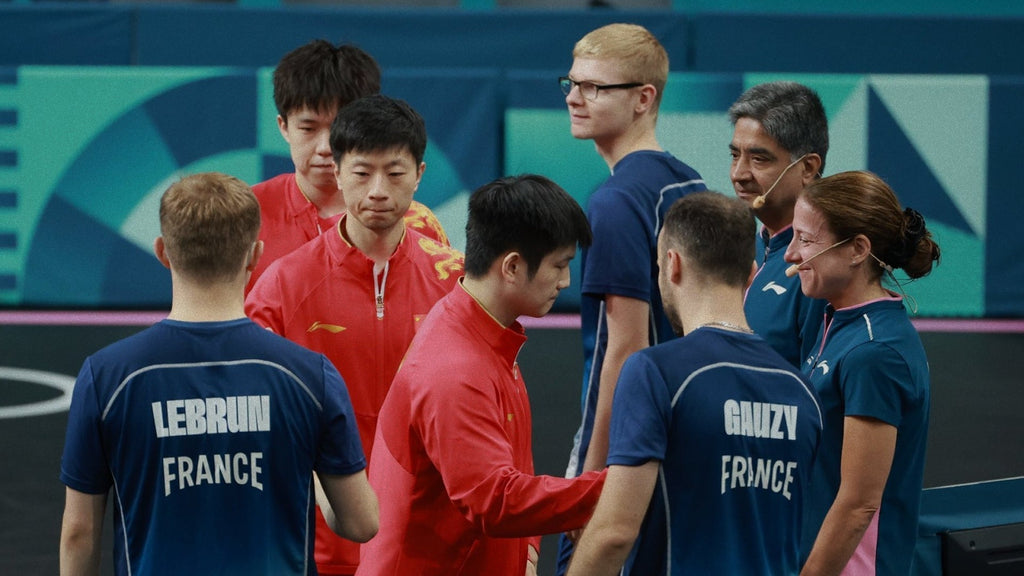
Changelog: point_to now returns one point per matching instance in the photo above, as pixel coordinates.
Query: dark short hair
(791, 113)
(715, 232)
(323, 77)
(528, 214)
(378, 123)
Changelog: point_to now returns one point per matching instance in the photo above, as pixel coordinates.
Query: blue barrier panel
(435, 38)
(130, 129)
(844, 8)
(53, 34)
(857, 44)
(1005, 278)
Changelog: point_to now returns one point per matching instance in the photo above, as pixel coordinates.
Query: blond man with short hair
(205, 427)
(613, 92)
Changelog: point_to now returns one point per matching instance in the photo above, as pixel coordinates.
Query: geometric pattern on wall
(925, 135)
(93, 148)
(80, 175)
(143, 147)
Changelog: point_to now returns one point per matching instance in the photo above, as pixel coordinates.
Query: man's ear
(160, 249)
(674, 264)
(811, 165)
(254, 256)
(282, 126)
(648, 94)
(512, 267)
(419, 174)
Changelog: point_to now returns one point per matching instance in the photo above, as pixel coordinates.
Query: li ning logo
(779, 290)
(332, 328)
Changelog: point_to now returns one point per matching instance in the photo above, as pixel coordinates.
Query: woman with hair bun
(869, 370)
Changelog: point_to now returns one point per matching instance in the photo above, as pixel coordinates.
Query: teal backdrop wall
(102, 106)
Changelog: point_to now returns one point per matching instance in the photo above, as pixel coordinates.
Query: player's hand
(531, 561)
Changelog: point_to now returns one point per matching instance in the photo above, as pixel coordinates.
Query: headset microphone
(759, 201)
(795, 268)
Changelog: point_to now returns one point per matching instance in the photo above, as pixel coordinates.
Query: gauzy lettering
(760, 419)
(192, 416)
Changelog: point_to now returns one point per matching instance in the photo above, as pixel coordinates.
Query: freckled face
(611, 113)
(829, 274)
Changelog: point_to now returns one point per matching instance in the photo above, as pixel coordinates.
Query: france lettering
(242, 469)
(214, 415)
(766, 474)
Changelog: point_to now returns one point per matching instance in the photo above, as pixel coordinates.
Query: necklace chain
(729, 325)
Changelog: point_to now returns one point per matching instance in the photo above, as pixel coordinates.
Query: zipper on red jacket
(380, 278)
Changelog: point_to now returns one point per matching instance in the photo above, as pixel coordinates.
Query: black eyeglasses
(589, 90)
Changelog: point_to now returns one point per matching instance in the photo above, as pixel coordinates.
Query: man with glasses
(613, 92)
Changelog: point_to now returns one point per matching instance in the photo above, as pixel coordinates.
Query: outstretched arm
(610, 534)
(349, 505)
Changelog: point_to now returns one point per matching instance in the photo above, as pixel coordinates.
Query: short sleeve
(340, 450)
(875, 380)
(641, 414)
(618, 261)
(84, 465)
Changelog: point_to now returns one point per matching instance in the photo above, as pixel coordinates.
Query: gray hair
(789, 112)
